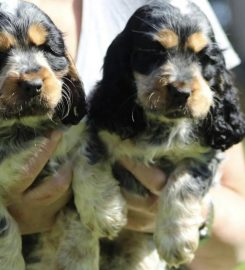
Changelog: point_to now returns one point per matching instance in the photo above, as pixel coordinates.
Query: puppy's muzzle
(178, 95)
(31, 88)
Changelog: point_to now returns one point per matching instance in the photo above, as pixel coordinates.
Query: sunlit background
(231, 14)
(232, 17)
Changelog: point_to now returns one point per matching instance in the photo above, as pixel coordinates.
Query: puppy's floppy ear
(112, 105)
(225, 123)
(73, 96)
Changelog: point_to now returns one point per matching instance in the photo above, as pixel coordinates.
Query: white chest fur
(177, 145)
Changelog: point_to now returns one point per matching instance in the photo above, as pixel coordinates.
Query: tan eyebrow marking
(197, 42)
(6, 41)
(167, 38)
(37, 34)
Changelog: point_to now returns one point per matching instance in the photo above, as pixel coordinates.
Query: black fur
(113, 104)
(78, 102)
(225, 124)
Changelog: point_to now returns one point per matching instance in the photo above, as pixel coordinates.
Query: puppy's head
(168, 45)
(37, 77)
(166, 63)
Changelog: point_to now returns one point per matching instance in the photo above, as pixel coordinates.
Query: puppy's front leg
(98, 198)
(179, 219)
(99, 202)
(10, 243)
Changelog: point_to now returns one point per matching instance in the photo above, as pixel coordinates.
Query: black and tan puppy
(166, 99)
(39, 91)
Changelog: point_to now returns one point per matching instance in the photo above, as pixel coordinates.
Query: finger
(146, 204)
(52, 188)
(37, 161)
(151, 177)
(61, 202)
(207, 204)
(34, 218)
(140, 222)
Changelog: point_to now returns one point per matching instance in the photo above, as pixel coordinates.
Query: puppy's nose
(182, 87)
(31, 88)
(179, 95)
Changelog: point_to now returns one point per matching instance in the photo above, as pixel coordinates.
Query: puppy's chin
(174, 114)
(169, 114)
(32, 107)
(177, 114)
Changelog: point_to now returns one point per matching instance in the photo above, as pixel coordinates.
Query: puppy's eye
(210, 60)
(209, 56)
(5, 50)
(57, 63)
(146, 60)
(52, 50)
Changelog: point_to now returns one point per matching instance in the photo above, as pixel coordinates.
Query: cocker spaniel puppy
(166, 99)
(39, 91)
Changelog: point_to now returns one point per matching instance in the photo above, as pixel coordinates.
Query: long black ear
(225, 124)
(112, 105)
(73, 97)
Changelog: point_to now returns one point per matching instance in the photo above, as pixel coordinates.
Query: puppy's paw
(177, 244)
(110, 218)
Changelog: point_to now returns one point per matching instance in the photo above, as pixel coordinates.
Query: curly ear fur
(73, 96)
(225, 124)
(112, 105)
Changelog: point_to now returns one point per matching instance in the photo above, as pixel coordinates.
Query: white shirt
(102, 20)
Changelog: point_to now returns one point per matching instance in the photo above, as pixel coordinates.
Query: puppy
(39, 91)
(166, 99)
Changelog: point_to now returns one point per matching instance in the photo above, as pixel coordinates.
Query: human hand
(35, 209)
(142, 210)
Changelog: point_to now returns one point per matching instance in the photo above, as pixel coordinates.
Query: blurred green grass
(241, 267)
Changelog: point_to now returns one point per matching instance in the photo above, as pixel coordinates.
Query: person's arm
(142, 210)
(226, 248)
